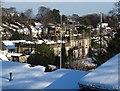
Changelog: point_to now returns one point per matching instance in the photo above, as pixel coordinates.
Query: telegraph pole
(100, 34)
(61, 43)
(0, 24)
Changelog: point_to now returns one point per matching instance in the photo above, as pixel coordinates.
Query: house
(19, 57)
(103, 25)
(22, 47)
(9, 45)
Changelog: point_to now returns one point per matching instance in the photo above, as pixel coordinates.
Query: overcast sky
(67, 8)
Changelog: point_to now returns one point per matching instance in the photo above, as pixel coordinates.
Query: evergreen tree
(114, 45)
(64, 55)
(56, 16)
(15, 36)
(44, 55)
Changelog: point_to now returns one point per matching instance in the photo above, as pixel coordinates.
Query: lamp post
(0, 25)
(61, 43)
(0, 39)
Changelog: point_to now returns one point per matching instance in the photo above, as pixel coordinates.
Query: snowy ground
(105, 76)
(25, 77)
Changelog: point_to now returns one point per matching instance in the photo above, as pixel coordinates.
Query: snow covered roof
(38, 24)
(40, 41)
(53, 42)
(49, 41)
(89, 62)
(104, 77)
(108, 28)
(68, 81)
(3, 57)
(29, 42)
(16, 54)
(25, 77)
(12, 42)
(7, 42)
(59, 41)
(75, 35)
(66, 35)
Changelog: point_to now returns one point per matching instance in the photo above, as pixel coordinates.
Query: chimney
(10, 79)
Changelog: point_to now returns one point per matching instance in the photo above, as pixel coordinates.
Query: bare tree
(44, 15)
(116, 11)
(28, 13)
